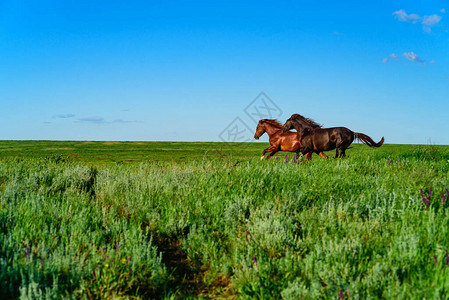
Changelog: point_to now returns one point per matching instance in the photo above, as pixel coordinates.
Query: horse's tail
(367, 140)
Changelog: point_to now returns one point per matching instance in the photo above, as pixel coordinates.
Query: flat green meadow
(155, 220)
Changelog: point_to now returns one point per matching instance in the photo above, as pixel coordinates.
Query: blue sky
(184, 70)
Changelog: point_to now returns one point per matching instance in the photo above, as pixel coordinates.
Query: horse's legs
(337, 153)
(341, 148)
(322, 155)
(297, 155)
(272, 153)
(263, 153)
(269, 149)
(309, 155)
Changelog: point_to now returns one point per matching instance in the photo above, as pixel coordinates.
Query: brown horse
(317, 139)
(280, 141)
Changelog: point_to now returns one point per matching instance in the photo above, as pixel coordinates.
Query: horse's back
(345, 134)
(332, 137)
(334, 132)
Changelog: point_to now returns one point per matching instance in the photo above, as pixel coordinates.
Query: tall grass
(354, 227)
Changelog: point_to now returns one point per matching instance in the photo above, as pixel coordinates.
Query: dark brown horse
(314, 138)
(280, 141)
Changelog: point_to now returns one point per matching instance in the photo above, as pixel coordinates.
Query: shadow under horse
(314, 138)
(279, 141)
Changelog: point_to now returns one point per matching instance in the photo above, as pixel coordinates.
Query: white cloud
(101, 120)
(95, 119)
(401, 15)
(431, 20)
(392, 56)
(442, 10)
(63, 116)
(412, 57)
(426, 21)
(427, 29)
(121, 121)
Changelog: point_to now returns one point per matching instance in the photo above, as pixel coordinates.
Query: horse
(314, 138)
(279, 141)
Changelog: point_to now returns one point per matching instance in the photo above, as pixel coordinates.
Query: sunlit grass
(224, 225)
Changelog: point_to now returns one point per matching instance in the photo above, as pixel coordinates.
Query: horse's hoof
(262, 157)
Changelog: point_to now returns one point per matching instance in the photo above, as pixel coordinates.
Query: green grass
(110, 152)
(165, 220)
(99, 153)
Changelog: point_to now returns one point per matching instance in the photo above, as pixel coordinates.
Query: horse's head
(260, 129)
(300, 123)
(288, 125)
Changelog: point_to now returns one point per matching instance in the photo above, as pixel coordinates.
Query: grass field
(174, 220)
(124, 152)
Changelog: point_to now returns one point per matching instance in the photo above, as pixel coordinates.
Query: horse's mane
(305, 121)
(273, 122)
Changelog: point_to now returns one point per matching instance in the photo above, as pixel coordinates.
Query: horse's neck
(301, 129)
(271, 130)
(307, 130)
